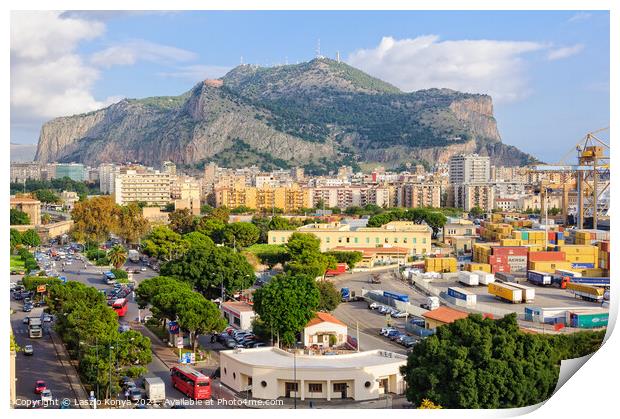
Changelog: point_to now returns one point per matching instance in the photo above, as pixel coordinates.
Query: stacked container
(603, 255)
(478, 267)
(580, 254)
(440, 264)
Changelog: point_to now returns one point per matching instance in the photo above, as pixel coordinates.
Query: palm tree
(117, 255)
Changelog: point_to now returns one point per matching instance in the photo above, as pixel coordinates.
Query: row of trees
(434, 218)
(478, 363)
(89, 328)
(57, 185)
(173, 299)
(30, 264)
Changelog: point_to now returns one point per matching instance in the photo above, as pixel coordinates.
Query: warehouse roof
(445, 314)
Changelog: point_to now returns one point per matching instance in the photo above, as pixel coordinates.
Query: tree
(47, 196)
(46, 219)
(476, 212)
(329, 296)
(436, 221)
(199, 316)
(164, 244)
(182, 221)
(428, 404)
(220, 213)
(481, 363)
(350, 258)
(19, 217)
(94, 219)
(240, 234)
(211, 269)
(131, 224)
(31, 238)
(16, 239)
(286, 305)
(211, 227)
(117, 256)
(197, 239)
(306, 257)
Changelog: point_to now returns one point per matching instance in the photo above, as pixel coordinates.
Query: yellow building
(288, 199)
(416, 238)
(32, 207)
(413, 195)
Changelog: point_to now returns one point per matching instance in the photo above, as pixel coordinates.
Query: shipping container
(546, 256)
(505, 292)
(396, 296)
(588, 319)
(484, 278)
(461, 294)
(539, 278)
(506, 277)
(528, 293)
(586, 292)
(468, 278)
(510, 251)
(598, 281)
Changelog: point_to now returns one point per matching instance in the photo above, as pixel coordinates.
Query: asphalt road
(42, 365)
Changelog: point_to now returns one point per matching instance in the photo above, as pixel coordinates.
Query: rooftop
(239, 306)
(445, 314)
(322, 317)
(272, 357)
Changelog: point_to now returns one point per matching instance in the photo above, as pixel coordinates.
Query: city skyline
(528, 61)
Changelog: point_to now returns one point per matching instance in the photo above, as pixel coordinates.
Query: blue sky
(548, 72)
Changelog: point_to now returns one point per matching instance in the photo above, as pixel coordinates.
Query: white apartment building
(468, 196)
(107, 173)
(148, 186)
(469, 168)
(20, 172)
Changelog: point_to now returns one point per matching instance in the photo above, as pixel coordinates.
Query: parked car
(27, 308)
(373, 306)
(46, 396)
(392, 333)
(28, 350)
(399, 314)
(385, 330)
(135, 395)
(395, 336)
(47, 318)
(257, 345)
(39, 386)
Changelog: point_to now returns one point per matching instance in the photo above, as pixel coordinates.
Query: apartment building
(107, 172)
(288, 199)
(416, 238)
(413, 195)
(505, 204)
(20, 172)
(468, 196)
(469, 168)
(142, 185)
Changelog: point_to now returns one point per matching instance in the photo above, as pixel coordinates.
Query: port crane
(592, 177)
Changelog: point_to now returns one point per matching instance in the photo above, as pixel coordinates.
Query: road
(42, 365)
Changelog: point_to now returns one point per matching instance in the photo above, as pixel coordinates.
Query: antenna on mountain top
(318, 48)
(285, 60)
(338, 56)
(241, 60)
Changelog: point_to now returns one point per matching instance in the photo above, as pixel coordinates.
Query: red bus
(192, 383)
(120, 306)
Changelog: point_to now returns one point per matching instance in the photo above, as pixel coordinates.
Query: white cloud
(476, 66)
(48, 77)
(139, 50)
(197, 72)
(564, 52)
(577, 17)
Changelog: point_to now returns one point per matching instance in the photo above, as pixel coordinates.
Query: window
(315, 388)
(367, 384)
(339, 239)
(376, 239)
(404, 239)
(348, 240)
(415, 240)
(263, 383)
(367, 239)
(424, 240)
(327, 240)
(356, 240)
(283, 239)
(395, 239)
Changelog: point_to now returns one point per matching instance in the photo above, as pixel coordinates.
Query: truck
(345, 293)
(505, 292)
(463, 295)
(588, 319)
(586, 292)
(527, 293)
(431, 303)
(484, 278)
(340, 269)
(539, 278)
(133, 255)
(468, 278)
(35, 327)
(601, 282)
(503, 276)
(155, 389)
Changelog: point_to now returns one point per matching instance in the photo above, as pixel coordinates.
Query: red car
(39, 386)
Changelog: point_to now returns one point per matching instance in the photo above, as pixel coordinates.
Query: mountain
(319, 114)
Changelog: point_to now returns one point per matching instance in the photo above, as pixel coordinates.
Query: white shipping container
(468, 278)
(484, 278)
(528, 293)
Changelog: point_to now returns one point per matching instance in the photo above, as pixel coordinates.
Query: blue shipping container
(457, 294)
(396, 296)
(590, 281)
(538, 277)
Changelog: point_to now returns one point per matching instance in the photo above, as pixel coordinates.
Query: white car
(143, 269)
(28, 350)
(373, 306)
(385, 330)
(399, 314)
(46, 396)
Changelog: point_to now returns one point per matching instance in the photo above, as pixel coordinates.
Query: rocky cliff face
(319, 115)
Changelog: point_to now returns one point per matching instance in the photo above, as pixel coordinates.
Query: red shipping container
(546, 256)
(500, 268)
(510, 251)
(551, 235)
(604, 245)
(501, 259)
